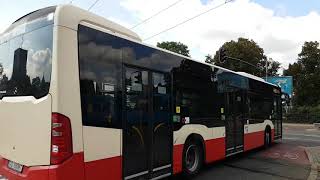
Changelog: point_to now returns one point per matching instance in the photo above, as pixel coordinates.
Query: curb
(313, 154)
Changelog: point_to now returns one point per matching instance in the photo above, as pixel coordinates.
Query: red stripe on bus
(72, 168)
(215, 149)
(34, 173)
(110, 169)
(177, 158)
(253, 140)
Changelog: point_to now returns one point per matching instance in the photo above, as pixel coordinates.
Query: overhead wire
(189, 19)
(93, 5)
(156, 14)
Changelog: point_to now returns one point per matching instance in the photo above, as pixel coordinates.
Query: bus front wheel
(267, 138)
(192, 158)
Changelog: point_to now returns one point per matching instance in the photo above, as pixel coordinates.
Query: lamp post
(267, 66)
(266, 69)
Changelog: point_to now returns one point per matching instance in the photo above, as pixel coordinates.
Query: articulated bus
(83, 98)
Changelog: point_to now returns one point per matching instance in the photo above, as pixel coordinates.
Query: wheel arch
(268, 123)
(268, 128)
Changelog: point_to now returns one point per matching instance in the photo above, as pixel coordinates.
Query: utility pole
(266, 69)
(267, 66)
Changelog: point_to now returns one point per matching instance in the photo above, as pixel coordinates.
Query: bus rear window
(25, 62)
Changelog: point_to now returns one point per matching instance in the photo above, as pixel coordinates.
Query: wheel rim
(192, 158)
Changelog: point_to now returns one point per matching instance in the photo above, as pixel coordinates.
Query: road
(285, 160)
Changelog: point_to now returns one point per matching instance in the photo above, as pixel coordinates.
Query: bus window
(25, 64)
(197, 94)
(100, 77)
(260, 107)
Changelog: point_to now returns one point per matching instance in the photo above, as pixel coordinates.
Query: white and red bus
(82, 98)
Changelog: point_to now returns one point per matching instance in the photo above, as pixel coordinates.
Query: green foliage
(306, 74)
(304, 114)
(176, 47)
(273, 67)
(248, 51)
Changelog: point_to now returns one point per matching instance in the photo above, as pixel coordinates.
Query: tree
(306, 75)
(293, 70)
(176, 47)
(251, 53)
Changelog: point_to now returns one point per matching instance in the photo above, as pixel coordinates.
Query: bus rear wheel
(192, 158)
(267, 138)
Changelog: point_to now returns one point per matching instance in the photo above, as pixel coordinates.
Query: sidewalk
(314, 157)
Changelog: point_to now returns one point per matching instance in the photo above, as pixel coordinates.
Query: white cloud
(281, 36)
(38, 61)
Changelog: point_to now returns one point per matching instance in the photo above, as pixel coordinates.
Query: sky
(280, 27)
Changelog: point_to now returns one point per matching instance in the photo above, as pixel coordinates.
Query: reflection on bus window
(25, 61)
(99, 64)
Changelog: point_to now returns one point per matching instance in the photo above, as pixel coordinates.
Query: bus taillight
(61, 139)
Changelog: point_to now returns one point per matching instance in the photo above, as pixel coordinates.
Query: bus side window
(260, 107)
(196, 93)
(100, 78)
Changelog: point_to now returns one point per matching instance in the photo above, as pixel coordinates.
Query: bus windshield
(25, 57)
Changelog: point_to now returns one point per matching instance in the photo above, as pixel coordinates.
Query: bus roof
(71, 16)
(65, 16)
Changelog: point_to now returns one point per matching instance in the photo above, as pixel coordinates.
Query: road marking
(301, 139)
(292, 156)
(306, 135)
(275, 155)
(284, 155)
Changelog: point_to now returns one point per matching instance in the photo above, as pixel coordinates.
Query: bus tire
(267, 138)
(192, 158)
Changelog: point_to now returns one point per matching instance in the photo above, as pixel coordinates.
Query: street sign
(285, 82)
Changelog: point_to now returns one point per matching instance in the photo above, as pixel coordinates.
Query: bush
(303, 114)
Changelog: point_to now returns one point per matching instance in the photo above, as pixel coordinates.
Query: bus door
(235, 114)
(147, 136)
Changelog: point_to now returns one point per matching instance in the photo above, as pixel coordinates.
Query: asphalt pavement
(295, 157)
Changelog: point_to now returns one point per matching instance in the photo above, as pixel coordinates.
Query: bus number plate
(3, 178)
(15, 166)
